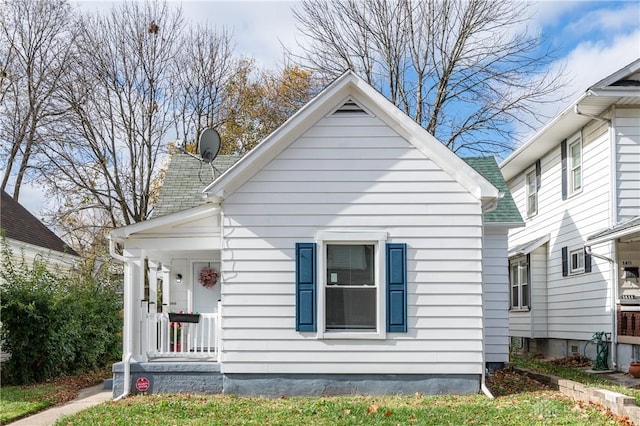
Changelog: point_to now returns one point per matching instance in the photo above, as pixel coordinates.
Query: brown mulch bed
(508, 382)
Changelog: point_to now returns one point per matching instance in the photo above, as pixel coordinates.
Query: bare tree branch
(467, 71)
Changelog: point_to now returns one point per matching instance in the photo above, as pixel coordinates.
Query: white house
(574, 266)
(29, 239)
(26, 236)
(356, 253)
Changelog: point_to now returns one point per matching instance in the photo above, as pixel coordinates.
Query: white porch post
(153, 286)
(133, 294)
(166, 289)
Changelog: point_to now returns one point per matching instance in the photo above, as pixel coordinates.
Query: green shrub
(55, 323)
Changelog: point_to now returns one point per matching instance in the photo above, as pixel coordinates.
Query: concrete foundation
(275, 385)
(206, 378)
(171, 377)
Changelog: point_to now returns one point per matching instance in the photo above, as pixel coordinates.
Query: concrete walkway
(86, 398)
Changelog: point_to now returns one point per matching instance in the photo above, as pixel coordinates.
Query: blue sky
(595, 39)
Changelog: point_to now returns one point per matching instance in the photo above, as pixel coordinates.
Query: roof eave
(124, 232)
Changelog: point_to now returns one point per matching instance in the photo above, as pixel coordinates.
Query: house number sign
(142, 384)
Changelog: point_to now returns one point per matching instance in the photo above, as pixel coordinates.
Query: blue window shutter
(306, 287)
(587, 262)
(565, 261)
(396, 287)
(563, 158)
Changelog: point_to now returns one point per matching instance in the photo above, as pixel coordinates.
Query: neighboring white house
(27, 236)
(29, 239)
(356, 254)
(574, 266)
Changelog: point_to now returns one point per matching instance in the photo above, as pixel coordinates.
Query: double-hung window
(532, 192)
(351, 285)
(519, 277)
(575, 166)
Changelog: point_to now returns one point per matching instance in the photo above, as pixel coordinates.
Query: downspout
(127, 377)
(612, 221)
(614, 297)
(483, 386)
(576, 109)
(129, 332)
(483, 382)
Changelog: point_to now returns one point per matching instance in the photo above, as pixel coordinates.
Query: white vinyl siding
(580, 304)
(346, 174)
(538, 265)
(627, 129)
(496, 295)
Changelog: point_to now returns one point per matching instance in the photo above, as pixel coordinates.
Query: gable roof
(620, 88)
(19, 224)
(506, 210)
(184, 181)
(351, 87)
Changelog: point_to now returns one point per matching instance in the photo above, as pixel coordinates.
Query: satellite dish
(209, 145)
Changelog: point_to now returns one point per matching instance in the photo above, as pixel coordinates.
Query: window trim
(531, 171)
(520, 308)
(576, 140)
(580, 255)
(378, 239)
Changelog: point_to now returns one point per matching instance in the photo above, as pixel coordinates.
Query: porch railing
(183, 339)
(628, 323)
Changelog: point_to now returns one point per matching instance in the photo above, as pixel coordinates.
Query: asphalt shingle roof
(185, 179)
(19, 224)
(507, 211)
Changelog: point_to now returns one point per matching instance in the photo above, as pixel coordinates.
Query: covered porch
(171, 287)
(624, 241)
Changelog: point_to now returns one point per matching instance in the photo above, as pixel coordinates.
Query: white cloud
(32, 198)
(260, 28)
(607, 19)
(586, 64)
(590, 62)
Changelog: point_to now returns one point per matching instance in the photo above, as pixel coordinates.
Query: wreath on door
(208, 277)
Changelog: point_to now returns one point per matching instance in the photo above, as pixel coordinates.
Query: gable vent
(350, 107)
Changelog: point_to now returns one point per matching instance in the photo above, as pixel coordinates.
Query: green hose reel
(601, 339)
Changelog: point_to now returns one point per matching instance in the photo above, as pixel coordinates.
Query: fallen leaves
(504, 382)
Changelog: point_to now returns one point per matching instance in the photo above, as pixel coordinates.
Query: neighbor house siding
(576, 305)
(352, 174)
(627, 129)
(538, 259)
(496, 294)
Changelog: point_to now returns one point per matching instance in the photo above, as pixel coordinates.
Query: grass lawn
(519, 401)
(20, 401)
(528, 408)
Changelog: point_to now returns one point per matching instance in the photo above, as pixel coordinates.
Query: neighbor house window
(351, 287)
(575, 166)
(576, 259)
(519, 273)
(532, 192)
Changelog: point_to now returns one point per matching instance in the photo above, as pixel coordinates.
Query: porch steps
(170, 377)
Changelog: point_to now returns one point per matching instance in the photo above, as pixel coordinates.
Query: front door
(205, 300)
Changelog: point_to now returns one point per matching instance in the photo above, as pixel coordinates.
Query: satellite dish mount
(209, 145)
